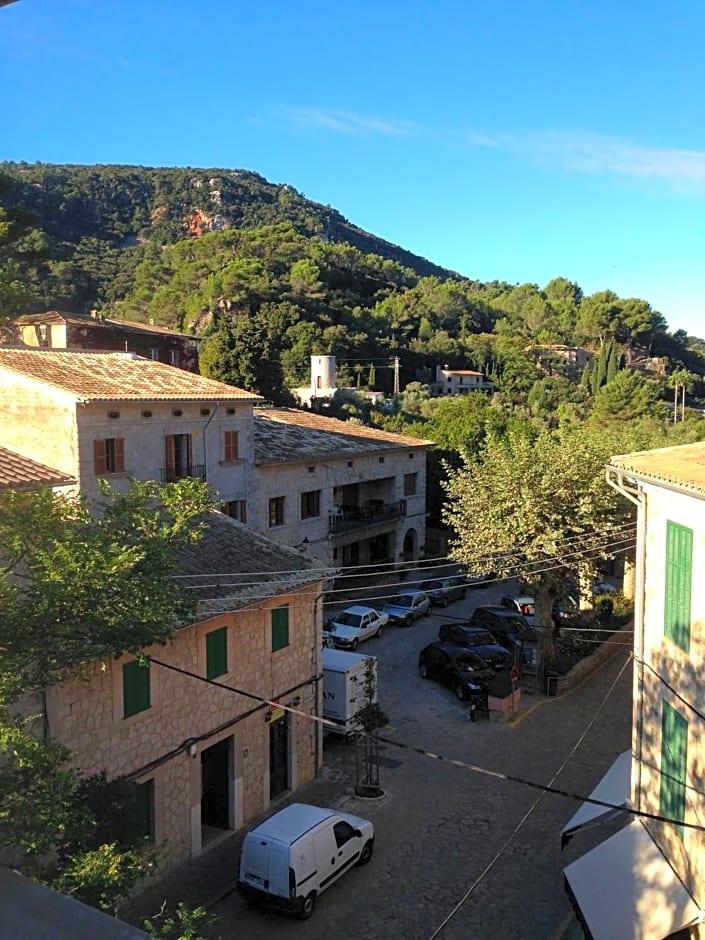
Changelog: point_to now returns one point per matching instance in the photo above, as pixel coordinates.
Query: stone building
(648, 880)
(92, 333)
(458, 382)
(349, 494)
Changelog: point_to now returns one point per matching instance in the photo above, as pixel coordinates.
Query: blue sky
(512, 140)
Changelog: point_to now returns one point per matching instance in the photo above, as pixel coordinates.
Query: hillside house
(92, 333)
(648, 880)
(561, 359)
(349, 494)
(116, 415)
(458, 382)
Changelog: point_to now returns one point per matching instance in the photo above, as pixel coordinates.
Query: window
(310, 504)
(178, 457)
(276, 511)
(410, 484)
(216, 653)
(231, 447)
(109, 455)
(343, 833)
(135, 688)
(280, 628)
(674, 754)
(236, 509)
(144, 809)
(679, 561)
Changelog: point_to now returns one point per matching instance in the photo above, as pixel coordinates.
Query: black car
(463, 671)
(479, 640)
(509, 629)
(444, 590)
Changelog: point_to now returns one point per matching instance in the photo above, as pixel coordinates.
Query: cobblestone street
(450, 842)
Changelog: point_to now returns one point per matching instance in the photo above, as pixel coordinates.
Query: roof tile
(682, 466)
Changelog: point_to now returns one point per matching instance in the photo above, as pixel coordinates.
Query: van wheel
(366, 853)
(307, 906)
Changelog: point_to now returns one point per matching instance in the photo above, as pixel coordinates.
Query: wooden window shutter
(189, 451)
(674, 763)
(678, 583)
(216, 653)
(280, 628)
(231, 445)
(99, 457)
(170, 451)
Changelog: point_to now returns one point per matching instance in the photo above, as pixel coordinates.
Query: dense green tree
(628, 397)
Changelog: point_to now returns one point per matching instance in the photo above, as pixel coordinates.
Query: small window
(276, 511)
(109, 455)
(280, 628)
(136, 692)
(231, 445)
(216, 653)
(311, 504)
(381, 459)
(236, 509)
(410, 484)
(343, 833)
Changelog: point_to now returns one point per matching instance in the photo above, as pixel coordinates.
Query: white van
(290, 858)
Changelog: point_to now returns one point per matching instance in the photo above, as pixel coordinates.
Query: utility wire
(483, 771)
(531, 809)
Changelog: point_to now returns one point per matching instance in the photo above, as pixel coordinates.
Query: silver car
(406, 607)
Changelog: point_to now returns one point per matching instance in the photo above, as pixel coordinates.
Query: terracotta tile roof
(460, 372)
(682, 466)
(21, 473)
(84, 319)
(112, 376)
(234, 566)
(286, 434)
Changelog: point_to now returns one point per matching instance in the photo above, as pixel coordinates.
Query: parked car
(294, 855)
(457, 667)
(509, 629)
(521, 604)
(479, 640)
(348, 628)
(444, 590)
(406, 607)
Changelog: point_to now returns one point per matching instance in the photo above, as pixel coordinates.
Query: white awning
(625, 889)
(613, 788)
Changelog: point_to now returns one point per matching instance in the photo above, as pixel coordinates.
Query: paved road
(451, 842)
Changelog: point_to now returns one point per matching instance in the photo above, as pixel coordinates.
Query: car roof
(448, 647)
(470, 628)
(357, 609)
(521, 598)
(292, 821)
(497, 609)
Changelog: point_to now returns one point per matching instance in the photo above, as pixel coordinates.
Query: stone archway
(410, 546)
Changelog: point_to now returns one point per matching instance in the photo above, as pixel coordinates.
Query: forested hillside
(269, 277)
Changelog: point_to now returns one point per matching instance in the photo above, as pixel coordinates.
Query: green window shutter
(135, 688)
(216, 653)
(674, 762)
(280, 628)
(679, 567)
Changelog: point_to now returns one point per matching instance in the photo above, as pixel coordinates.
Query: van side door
(337, 849)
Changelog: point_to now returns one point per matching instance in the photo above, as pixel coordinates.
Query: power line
(531, 809)
(476, 768)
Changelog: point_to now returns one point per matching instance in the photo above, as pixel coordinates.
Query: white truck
(344, 688)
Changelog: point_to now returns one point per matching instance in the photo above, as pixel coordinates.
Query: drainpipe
(317, 680)
(616, 479)
(205, 431)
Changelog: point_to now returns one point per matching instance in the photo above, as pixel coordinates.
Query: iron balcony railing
(344, 518)
(172, 474)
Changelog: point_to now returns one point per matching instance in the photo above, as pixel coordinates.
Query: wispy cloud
(343, 122)
(599, 155)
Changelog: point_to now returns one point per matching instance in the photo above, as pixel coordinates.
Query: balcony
(345, 518)
(196, 471)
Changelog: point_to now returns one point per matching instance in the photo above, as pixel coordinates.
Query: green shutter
(280, 628)
(135, 688)
(679, 565)
(216, 653)
(674, 757)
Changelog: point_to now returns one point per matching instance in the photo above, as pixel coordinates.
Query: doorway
(215, 789)
(278, 757)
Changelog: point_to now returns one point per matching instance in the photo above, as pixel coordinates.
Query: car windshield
(402, 600)
(468, 663)
(479, 639)
(514, 624)
(347, 619)
(432, 585)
